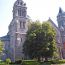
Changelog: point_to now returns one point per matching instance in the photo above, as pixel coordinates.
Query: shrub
(8, 61)
(57, 61)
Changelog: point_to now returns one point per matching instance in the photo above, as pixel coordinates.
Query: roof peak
(60, 10)
(19, 3)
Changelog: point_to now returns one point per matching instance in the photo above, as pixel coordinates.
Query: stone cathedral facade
(18, 27)
(17, 32)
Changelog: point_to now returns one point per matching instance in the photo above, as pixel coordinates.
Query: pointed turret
(19, 3)
(61, 18)
(60, 10)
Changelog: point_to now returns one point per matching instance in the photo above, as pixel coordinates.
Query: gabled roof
(52, 23)
(58, 35)
(55, 27)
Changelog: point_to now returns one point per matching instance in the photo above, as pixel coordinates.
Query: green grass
(46, 63)
(30, 63)
(33, 62)
(58, 61)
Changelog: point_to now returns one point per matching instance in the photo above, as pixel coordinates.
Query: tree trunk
(46, 59)
(38, 58)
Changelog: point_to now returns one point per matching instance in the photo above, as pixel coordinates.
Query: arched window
(22, 25)
(19, 12)
(24, 13)
(21, 3)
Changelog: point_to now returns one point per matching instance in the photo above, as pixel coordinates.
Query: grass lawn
(33, 62)
(46, 64)
(54, 62)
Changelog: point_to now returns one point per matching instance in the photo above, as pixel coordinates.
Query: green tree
(49, 41)
(1, 48)
(40, 41)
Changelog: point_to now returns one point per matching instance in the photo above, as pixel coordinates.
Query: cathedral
(13, 41)
(15, 38)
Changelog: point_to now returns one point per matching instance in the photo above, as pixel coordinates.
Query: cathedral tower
(61, 25)
(17, 30)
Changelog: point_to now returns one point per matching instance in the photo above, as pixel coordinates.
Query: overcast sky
(36, 9)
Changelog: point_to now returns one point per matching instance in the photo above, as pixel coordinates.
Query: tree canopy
(1, 46)
(40, 41)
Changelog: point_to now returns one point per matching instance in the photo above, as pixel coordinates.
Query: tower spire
(60, 10)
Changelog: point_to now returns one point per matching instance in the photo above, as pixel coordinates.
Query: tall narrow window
(20, 25)
(24, 13)
(24, 25)
(19, 12)
(21, 39)
(21, 3)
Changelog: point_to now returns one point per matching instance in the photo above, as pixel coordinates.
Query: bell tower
(17, 29)
(19, 9)
(60, 19)
(61, 25)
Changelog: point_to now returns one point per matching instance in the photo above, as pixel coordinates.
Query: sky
(36, 9)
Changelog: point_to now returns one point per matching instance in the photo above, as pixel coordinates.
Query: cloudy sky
(37, 10)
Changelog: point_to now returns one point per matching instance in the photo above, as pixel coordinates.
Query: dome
(19, 3)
